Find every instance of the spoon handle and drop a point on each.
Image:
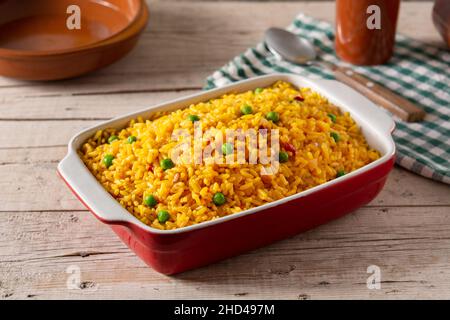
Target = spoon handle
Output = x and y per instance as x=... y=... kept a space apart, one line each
x=401 y=107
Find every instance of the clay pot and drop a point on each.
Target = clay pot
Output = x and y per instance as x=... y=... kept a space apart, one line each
x=36 y=44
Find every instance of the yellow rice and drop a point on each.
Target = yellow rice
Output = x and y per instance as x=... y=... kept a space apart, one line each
x=186 y=190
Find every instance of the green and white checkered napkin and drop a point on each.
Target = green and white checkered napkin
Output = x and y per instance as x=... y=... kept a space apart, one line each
x=417 y=71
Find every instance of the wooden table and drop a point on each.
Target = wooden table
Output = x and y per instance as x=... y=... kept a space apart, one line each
x=45 y=231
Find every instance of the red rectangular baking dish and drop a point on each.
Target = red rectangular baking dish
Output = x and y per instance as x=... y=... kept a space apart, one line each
x=174 y=251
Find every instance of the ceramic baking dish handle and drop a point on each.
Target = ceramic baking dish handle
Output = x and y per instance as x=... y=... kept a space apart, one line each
x=366 y=110
x=90 y=192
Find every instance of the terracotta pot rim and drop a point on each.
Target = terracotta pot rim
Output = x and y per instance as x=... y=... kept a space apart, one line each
x=134 y=27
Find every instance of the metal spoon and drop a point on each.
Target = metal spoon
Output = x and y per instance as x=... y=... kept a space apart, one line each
x=290 y=47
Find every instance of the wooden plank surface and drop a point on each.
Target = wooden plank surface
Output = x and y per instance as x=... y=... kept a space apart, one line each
x=44 y=229
x=328 y=262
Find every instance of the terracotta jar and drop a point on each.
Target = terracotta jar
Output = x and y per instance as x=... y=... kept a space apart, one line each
x=365 y=30
x=441 y=18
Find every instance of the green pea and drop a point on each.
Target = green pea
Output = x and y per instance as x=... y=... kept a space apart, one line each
x=150 y=201
x=273 y=116
x=259 y=90
x=332 y=117
x=167 y=164
x=131 y=139
x=335 y=136
x=112 y=138
x=246 y=110
x=219 y=199
x=193 y=117
x=227 y=148
x=283 y=157
x=340 y=173
x=108 y=160
x=163 y=216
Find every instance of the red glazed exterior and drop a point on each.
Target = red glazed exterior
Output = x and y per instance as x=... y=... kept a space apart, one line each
x=175 y=253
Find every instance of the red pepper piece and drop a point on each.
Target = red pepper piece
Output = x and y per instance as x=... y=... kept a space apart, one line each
x=288 y=147
x=299 y=98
